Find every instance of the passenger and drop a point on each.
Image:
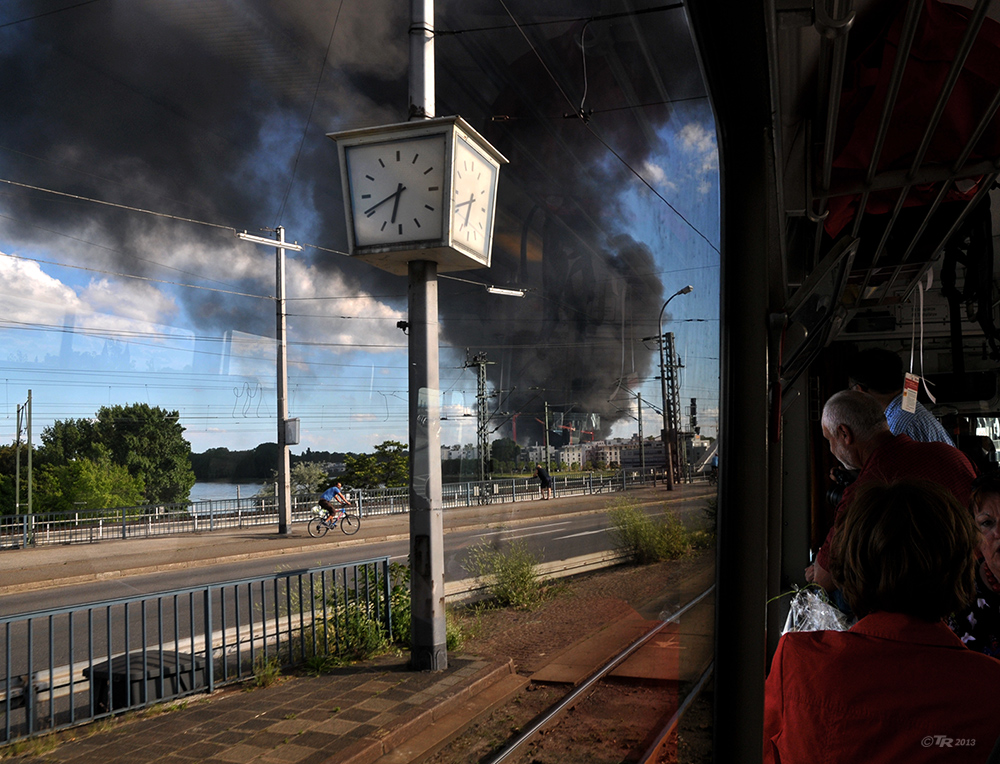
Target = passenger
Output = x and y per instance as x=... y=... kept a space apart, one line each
x=855 y=427
x=898 y=686
x=978 y=626
x=879 y=372
x=979 y=448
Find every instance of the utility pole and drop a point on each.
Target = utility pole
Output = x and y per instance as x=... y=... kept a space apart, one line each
x=283 y=488
x=428 y=642
x=642 y=443
x=672 y=412
x=482 y=413
x=548 y=461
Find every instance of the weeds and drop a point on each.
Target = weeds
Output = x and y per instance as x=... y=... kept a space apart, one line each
x=645 y=539
x=266 y=670
x=510 y=576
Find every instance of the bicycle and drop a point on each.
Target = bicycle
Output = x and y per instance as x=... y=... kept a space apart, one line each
x=350 y=523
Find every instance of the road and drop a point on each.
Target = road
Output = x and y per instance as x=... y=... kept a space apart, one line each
x=550 y=538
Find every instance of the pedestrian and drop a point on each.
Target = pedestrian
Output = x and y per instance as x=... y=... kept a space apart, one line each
x=544 y=482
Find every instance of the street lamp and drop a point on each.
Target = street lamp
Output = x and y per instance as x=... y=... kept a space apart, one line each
x=667 y=436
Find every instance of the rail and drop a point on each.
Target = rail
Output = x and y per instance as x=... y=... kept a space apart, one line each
x=92 y=526
x=66 y=666
x=560 y=706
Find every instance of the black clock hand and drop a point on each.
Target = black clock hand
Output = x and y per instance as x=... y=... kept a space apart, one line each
x=468 y=208
x=394 y=195
x=395 y=204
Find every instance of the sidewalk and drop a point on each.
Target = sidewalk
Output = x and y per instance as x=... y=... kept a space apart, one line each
x=355 y=715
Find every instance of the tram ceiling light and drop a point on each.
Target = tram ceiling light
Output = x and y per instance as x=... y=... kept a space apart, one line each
x=507 y=292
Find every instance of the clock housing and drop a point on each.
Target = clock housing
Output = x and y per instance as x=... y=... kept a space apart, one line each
x=419 y=191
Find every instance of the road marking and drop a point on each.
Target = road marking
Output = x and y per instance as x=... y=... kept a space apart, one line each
x=584 y=533
x=508 y=530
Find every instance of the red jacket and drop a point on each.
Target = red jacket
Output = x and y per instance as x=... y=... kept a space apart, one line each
x=903 y=458
x=891 y=689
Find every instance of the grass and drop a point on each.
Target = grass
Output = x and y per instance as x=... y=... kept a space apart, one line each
x=645 y=539
x=509 y=575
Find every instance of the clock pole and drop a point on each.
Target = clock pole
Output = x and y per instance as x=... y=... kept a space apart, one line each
x=428 y=648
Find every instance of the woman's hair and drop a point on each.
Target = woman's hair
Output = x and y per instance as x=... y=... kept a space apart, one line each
x=905 y=548
x=984 y=486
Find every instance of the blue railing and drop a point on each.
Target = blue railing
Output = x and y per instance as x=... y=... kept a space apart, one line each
x=67 y=666
x=91 y=526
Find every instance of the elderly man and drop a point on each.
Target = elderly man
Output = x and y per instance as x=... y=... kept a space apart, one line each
x=855 y=427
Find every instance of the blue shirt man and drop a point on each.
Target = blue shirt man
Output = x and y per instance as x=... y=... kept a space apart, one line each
x=331 y=494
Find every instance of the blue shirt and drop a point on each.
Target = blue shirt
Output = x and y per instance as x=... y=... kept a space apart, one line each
x=329 y=493
x=920 y=425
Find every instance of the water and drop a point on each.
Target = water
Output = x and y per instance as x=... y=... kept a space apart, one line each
x=203 y=491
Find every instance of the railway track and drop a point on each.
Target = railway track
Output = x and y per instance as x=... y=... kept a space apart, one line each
x=616 y=710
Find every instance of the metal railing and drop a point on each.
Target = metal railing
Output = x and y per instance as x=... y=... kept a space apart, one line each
x=67 y=666
x=91 y=526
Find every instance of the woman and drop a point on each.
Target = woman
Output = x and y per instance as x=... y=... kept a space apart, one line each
x=899 y=685
x=979 y=625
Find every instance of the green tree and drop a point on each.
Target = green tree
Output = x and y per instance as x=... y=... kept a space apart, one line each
x=68 y=439
x=85 y=484
x=388 y=466
x=305 y=478
x=505 y=453
x=149 y=442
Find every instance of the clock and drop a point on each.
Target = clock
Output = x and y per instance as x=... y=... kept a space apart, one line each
x=473 y=180
x=397 y=190
x=423 y=190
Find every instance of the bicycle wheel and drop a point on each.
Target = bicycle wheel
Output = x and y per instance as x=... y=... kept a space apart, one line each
x=317 y=527
x=350 y=524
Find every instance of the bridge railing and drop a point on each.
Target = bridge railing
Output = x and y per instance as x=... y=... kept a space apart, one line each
x=91 y=526
x=67 y=666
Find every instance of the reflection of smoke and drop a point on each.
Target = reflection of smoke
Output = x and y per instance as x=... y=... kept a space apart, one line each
x=196 y=108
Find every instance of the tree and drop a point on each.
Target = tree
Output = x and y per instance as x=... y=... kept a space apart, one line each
x=388 y=466
x=148 y=441
x=85 y=484
x=304 y=477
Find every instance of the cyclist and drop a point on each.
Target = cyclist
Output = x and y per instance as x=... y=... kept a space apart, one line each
x=331 y=494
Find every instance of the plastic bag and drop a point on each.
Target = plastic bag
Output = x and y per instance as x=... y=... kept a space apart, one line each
x=811 y=610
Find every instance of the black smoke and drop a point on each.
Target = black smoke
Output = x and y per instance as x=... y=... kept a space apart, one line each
x=196 y=108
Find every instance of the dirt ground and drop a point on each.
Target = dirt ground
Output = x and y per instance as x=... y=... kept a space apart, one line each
x=619 y=720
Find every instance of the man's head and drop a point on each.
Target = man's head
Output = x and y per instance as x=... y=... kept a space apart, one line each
x=876 y=371
x=905 y=548
x=339 y=484
x=852 y=421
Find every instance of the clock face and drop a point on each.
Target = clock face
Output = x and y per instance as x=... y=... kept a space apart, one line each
x=473 y=182
x=397 y=190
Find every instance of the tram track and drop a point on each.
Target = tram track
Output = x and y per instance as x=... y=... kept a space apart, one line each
x=593 y=700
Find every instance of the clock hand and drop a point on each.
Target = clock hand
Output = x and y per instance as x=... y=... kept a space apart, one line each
x=395 y=204
x=468 y=208
x=394 y=195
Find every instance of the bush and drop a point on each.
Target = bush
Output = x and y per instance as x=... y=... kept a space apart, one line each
x=400 y=604
x=510 y=577
x=643 y=538
x=361 y=635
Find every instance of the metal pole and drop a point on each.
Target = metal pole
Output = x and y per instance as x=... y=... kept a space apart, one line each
x=284 y=489
x=428 y=645
x=30 y=506
x=665 y=434
x=428 y=651
x=642 y=443
x=548 y=463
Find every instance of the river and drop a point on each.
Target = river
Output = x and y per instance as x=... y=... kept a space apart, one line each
x=203 y=491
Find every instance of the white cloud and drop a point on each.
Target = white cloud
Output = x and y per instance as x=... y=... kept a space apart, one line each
x=657 y=176
x=697 y=140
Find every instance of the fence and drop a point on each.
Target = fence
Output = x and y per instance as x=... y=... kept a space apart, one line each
x=71 y=665
x=91 y=526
